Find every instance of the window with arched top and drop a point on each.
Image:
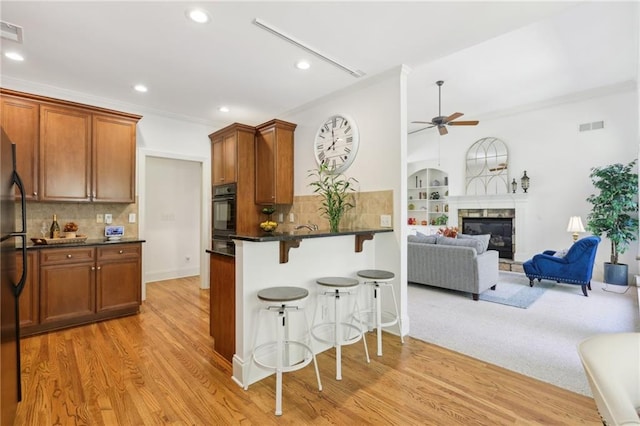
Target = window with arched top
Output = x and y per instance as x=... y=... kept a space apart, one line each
x=486 y=167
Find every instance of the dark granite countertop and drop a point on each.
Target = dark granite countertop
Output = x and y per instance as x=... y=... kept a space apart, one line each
x=89 y=242
x=261 y=236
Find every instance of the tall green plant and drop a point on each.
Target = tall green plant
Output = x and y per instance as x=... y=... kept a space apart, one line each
x=336 y=191
x=614 y=211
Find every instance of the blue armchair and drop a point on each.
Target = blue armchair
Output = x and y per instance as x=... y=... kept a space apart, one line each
x=575 y=267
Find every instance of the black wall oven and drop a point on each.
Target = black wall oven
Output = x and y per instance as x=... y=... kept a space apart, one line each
x=224 y=218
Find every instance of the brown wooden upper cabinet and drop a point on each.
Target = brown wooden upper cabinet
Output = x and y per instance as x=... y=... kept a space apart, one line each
x=274 y=162
x=21 y=123
x=69 y=151
x=224 y=152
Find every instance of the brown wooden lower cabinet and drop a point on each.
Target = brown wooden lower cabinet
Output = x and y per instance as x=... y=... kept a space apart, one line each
x=80 y=285
x=29 y=298
x=223 y=304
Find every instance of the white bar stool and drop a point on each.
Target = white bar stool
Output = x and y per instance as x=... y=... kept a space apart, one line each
x=378 y=279
x=335 y=330
x=280 y=302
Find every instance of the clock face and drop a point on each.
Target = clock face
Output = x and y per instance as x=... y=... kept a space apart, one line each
x=336 y=143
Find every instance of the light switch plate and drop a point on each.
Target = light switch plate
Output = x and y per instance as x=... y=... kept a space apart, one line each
x=108 y=218
x=132 y=218
x=385 y=220
x=99 y=218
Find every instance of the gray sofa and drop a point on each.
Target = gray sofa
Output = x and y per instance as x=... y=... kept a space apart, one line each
x=462 y=263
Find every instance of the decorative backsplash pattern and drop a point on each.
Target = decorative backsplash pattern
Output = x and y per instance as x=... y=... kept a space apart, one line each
x=366 y=213
x=40 y=214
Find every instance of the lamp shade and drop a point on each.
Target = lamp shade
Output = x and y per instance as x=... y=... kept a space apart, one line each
x=575 y=224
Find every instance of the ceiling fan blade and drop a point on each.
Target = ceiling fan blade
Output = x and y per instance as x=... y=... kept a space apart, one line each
x=464 y=123
x=422 y=122
x=453 y=116
x=443 y=130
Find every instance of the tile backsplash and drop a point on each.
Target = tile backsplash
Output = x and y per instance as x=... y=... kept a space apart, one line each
x=366 y=213
x=40 y=214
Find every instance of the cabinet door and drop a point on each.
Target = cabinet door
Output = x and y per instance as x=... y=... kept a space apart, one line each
x=114 y=159
x=223 y=304
x=265 y=166
x=230 y=159
x=67 y=293
x=29 y=302
x=274 y=163
x=20 y=121
x=65 y=154
x=217 y=161
x=118 y=285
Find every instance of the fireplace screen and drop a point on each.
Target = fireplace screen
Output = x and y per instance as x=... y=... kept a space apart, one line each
x=500 y=228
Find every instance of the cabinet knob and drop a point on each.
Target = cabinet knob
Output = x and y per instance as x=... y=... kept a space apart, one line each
x=35 y=194
x=93 y=268
x=68 y=256
x=121 y=251
x=99 y=267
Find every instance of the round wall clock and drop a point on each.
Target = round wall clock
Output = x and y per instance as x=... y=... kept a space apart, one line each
x=336 y=143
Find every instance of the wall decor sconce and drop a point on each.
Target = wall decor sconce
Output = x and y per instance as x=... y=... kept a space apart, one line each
x=575 y=226
x=524 y=182
x=514 y=186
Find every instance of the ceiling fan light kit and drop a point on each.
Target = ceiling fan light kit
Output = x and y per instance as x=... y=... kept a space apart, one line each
x=440 y=121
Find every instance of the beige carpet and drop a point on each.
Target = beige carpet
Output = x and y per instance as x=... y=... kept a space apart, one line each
x=540 y=341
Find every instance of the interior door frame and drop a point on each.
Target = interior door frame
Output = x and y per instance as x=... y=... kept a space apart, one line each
x=205 y=209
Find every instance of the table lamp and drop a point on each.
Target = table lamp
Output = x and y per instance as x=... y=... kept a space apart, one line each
x=575 y=226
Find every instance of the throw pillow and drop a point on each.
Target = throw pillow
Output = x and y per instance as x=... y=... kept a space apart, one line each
x=484 y=239
x=422 y=238
x=561 y=253
x=446 y=241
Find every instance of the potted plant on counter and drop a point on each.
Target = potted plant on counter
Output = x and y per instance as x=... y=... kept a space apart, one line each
x=615 y=214
x=336 y=191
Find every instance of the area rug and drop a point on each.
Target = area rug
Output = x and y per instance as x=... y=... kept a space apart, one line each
x=516 y=293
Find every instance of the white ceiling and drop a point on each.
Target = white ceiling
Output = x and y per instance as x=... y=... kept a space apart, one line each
x=492 y=55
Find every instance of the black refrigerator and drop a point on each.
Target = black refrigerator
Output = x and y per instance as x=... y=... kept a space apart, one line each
x=12 y=238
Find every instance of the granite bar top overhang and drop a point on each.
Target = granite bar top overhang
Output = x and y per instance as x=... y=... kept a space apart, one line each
x=261 y=236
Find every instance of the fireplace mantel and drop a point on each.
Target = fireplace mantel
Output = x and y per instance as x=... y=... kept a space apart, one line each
x=518 y=202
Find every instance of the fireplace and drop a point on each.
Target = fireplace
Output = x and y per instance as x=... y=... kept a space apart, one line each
x=500 y=228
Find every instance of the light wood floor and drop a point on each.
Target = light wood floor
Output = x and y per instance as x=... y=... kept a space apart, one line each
x=158 y=368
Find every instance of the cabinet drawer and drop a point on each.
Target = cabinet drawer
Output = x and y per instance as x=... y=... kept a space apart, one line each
x=121 y=251
x=66 y=255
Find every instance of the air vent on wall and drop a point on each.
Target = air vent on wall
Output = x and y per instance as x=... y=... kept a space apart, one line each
x=585 y=127
x=10 y=32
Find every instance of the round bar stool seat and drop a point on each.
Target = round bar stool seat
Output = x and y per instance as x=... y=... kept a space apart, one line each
x=336 y=331
x=373 y=316
x=281 y=303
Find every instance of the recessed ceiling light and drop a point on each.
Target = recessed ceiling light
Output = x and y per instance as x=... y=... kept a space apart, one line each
x=223 y=109
x=198 y=15
x=14 y=56
x=140 y=88
x=303 y=65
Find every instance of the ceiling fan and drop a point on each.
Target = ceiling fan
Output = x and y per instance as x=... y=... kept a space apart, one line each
x=440 y=121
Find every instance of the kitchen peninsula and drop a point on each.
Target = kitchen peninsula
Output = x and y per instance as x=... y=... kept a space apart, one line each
x=292 y=259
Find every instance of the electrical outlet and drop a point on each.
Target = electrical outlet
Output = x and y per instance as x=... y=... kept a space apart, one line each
x=280 y=217
x=108 y=218
x=291 y=218
x=99 y=218
x=132 y=218
x=385 y=220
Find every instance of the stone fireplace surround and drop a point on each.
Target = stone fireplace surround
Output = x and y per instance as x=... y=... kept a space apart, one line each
x=503 y=205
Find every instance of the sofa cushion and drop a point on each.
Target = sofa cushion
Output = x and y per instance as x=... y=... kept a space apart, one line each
x=473 y=243
x=483 y=238
x=422 y=238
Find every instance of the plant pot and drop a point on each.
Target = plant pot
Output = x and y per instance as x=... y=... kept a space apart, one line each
x=617 y=274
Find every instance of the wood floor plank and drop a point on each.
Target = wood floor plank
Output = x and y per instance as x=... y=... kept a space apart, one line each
x=159 y=368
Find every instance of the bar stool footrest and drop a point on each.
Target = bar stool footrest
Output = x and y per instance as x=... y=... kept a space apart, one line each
x=307 y=355
x=330 y=334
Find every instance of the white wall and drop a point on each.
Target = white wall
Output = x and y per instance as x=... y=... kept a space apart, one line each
x=378 y=108
x=546 y=143
x=172 y=218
